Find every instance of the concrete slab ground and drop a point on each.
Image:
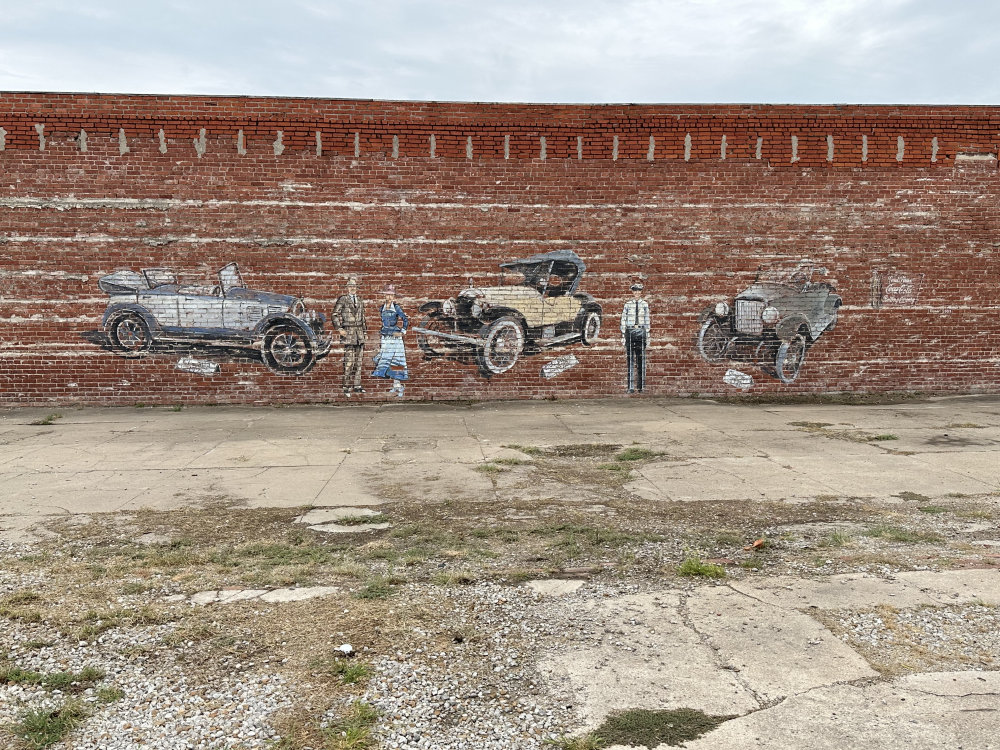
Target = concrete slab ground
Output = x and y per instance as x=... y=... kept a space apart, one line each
x=789 y=655
x=348 y=455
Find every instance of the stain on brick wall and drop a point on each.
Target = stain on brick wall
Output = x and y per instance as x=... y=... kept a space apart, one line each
x=512 y=237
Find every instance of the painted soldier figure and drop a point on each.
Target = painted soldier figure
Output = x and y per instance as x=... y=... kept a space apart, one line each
x=349 y=320
x=635 y=339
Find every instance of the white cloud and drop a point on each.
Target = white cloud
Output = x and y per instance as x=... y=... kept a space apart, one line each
x=554 y=50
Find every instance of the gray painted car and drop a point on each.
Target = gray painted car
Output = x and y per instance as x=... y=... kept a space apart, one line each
x=774 y=321
x=152 y=306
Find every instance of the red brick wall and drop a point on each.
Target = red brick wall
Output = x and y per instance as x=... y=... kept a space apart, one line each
x=693 y=226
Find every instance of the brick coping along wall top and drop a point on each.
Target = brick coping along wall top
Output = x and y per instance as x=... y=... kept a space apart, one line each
x=779 y=249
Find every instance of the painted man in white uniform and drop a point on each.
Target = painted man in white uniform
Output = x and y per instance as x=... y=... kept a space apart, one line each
x=635 y=338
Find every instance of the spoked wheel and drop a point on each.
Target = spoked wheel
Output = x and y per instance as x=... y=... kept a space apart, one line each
x=287 y=349
x=713 y=341
x=591 y=328
x=502 y=345
x=791 y=354
x=129 y=335
x=431 y=345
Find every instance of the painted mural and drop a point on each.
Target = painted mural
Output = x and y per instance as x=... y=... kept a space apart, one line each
x=773 y=322
x=635 y=326
x=150 y=309
x=537 y=305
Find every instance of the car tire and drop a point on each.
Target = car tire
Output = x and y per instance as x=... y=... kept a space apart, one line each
x=429 y=344
x=713 y=341
x=590 y=327
x=791 y=354
x=503 y=343
x=129 y=335
x=287 y=349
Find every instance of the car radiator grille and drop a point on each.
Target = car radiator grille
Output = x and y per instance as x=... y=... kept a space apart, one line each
x=748 y=316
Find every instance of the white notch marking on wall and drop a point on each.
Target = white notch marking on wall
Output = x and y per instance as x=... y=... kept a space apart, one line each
x=433 y=141
x=357 y=144
x=829 y=148
x=201 y=143
x=542 y=151
x=579 y=148
x=687 y=147
x=468 y=147
x=40 y=129
x=614 y=148
x=795 y=148
x=900 y=148
x=81 y=140
x=395 y=147
x=122 y=142
x=279 y=144
x=722 y=149
x=506 y=147
x=241 y=143
x=319 y=143
x=651 y=151
x=864 y=148
x=760 y=147
x=163 y=141
x=3 y=139
x=934 y=148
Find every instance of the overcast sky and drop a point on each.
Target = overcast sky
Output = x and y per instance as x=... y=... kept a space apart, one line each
x=775 y=51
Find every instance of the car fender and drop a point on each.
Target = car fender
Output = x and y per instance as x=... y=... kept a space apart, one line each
x=118 y=308
x=790 y=325
x=431 y=307
x=502 y=312
x=284 y=318
x=708 y=312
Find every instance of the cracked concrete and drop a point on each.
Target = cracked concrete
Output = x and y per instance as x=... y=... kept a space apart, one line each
x=756 y=648
x=753 y=651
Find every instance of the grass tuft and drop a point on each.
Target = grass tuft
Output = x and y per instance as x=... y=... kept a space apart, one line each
x=47 y=419
x=696 y=568
x=380 y=588
x=633 y=453
x=645 y=728
x=41 y=728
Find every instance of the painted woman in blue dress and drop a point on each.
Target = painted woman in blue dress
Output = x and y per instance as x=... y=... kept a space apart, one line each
x=390 y=362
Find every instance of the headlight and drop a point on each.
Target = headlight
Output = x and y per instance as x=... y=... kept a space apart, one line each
x=479 y=307
x=449 y=307
x=722 y=309
x=770 y=315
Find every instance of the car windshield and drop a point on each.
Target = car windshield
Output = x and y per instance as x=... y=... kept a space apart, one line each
x=229 y=277
x=540 y=275
x=159 y=276
x=798 y=274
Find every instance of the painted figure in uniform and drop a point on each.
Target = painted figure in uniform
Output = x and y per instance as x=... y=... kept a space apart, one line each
x=635 y=339
x=390 y=362
x=349 y=320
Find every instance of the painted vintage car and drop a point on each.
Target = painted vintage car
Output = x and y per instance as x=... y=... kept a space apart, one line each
x=152 y=306
x=773 y=322
x=539 y=307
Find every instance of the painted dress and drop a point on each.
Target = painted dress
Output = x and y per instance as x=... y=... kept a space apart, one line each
x=390 y=362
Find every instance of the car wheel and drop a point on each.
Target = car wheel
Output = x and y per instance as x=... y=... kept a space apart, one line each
x=713 y=341
x=590 y=328
x=431 y=345
x=129 y=335
x=287 y=349
x=502 y=345
x=791 y=354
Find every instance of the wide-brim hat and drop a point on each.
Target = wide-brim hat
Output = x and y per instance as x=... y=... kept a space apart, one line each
x=389 y=289
x=636 y=287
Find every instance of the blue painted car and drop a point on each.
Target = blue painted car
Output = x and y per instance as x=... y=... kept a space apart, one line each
x=152 y=306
